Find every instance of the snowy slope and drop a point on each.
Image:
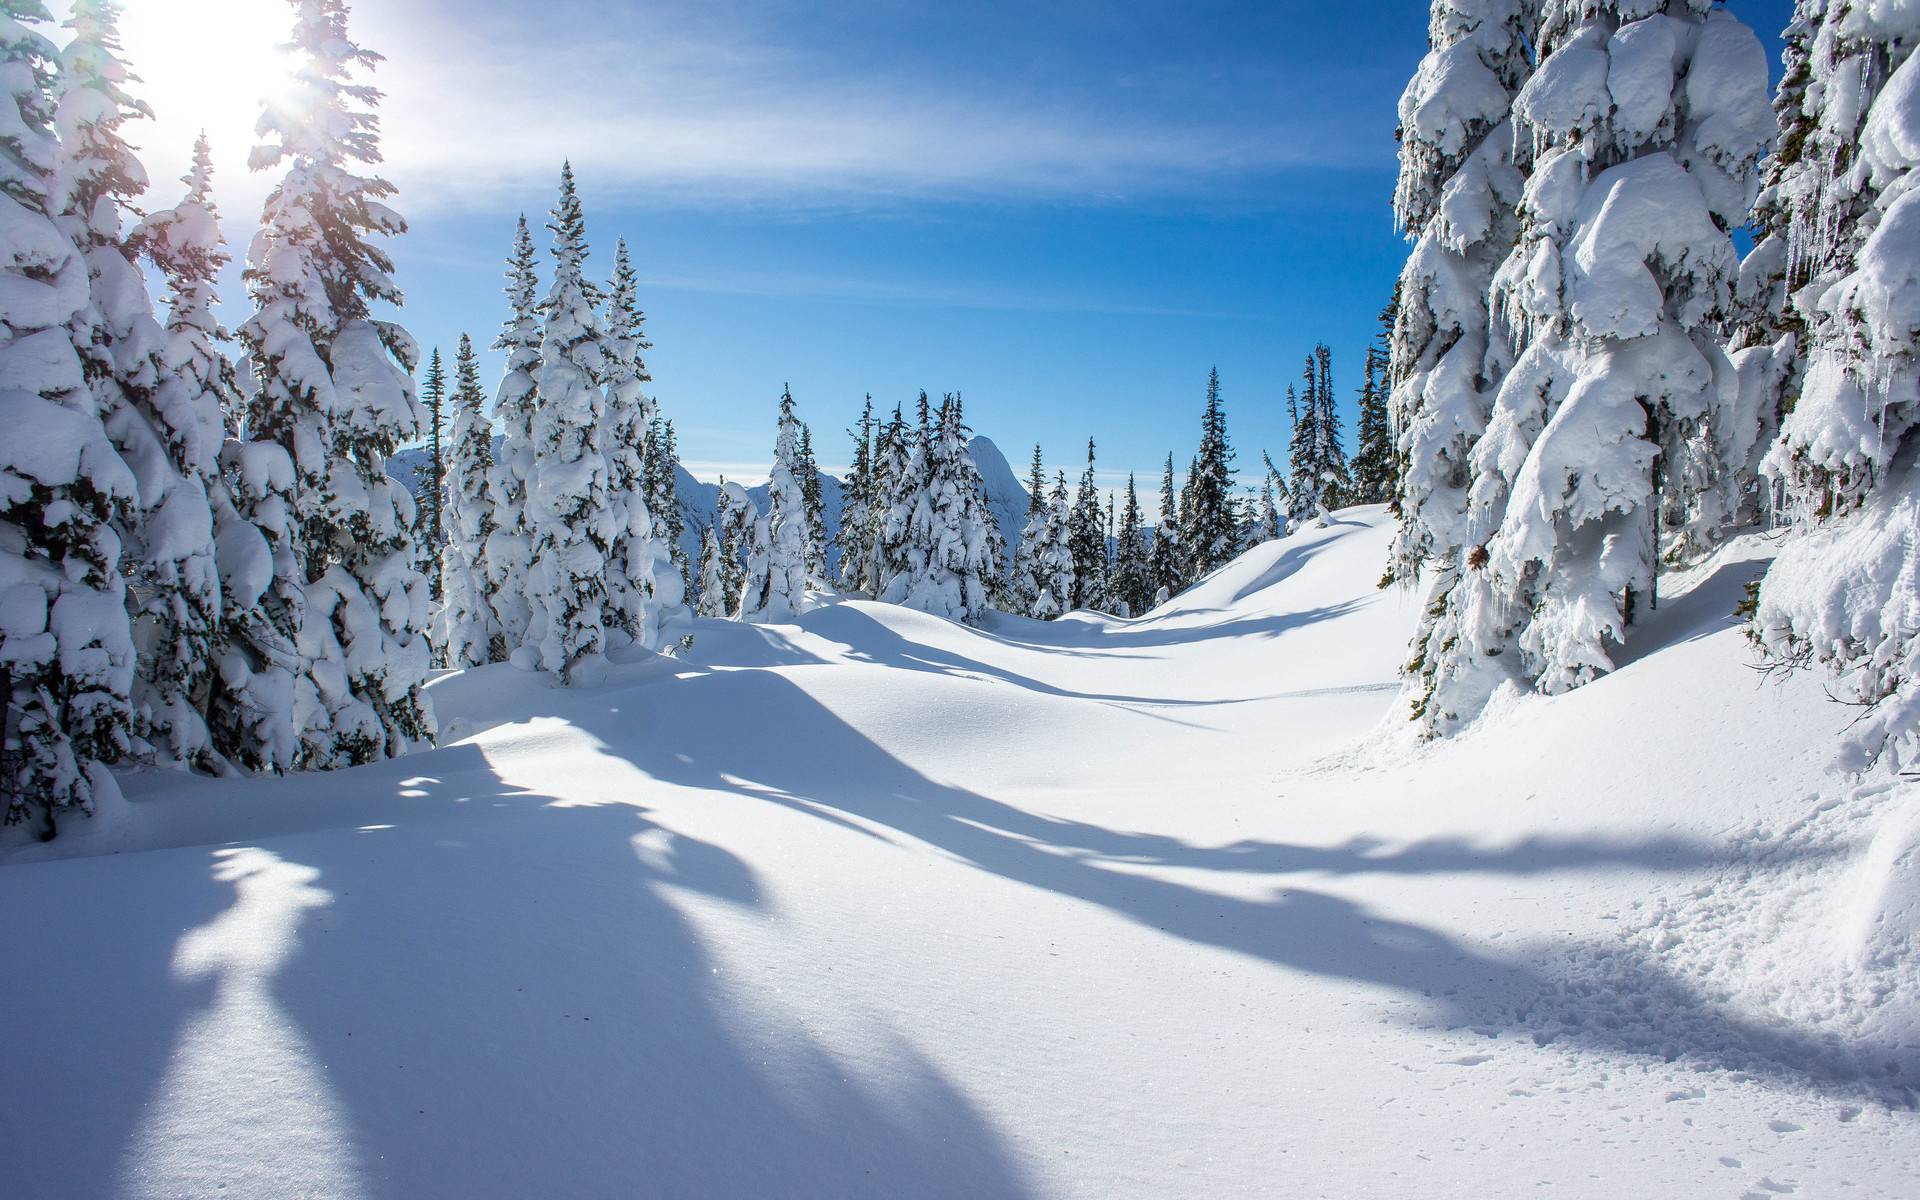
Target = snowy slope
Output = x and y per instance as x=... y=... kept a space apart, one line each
x=876 y=905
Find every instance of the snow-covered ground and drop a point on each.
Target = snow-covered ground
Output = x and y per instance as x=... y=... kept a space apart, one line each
x=876 y=905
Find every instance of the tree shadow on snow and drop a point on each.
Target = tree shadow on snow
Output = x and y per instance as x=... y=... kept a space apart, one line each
x=435 y=1020
x=1600 y=996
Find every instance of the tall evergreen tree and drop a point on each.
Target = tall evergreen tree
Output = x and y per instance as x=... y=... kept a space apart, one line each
x=945 y=532
x=1089 y=541
x=66 y=657
x=198 y=390
x=776 y=584
x=855 y=538
x=467 y=631
x=711 y=596
x=1302 y=484
x=1132 y=591
x=899 y=472
x=1209 y=533
x=1026 y=581
x=569 y=506
x=1166 y=557
x=430 y=479
x=1375 y=472
x=808 y=474
x=1838 y=271
x=663 y=496
x=509 y=549
x=1330 y=455
x=1618 y=418
x=336 y=394
x=167 y=539
x=1055 y=569
x=642 y=580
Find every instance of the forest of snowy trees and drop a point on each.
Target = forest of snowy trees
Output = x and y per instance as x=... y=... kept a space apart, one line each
x=1578 y=382
x=1589 y=384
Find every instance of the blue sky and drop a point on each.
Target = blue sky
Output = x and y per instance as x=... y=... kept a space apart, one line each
x=1067 y=211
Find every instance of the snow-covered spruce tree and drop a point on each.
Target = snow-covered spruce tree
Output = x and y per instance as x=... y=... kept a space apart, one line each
x=336 y=394
x=1614 y=421
x=200 y=398
x=663 y=496
x=710 y=599
x=900 y=472
x=1089 y=541
x=1055 y=559
x=66 y=658
x=776 y=584
x=808 y=475
x=1166 y=557
x=948 y=539
x=1329 y=454
x=1025 y=583
x=1132 y=591
x=1208 y=529
x=509 y=548
x=430 y=483
x=570 y=512
x=1458 y=201
x=855 y=538
x=1303 y=504
x=642 y=581
x=467 y=629
x=1375 y=469
x=1462 y=179
x=167 y=540
x=1840 y=592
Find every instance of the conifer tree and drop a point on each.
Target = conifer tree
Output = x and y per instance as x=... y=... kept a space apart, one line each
x=1089 y=542
x=336 y=395
x=509 y=548
x=1056 y=569
x=468 y=631
x=663 y=495
x=1617 y=418
x=1838 y=271
x=944 y=531
x=182 y=642
x=808 y=475
x=1209 y=533
x=1330 y=455
x=855 y=538
x=1026 y=581
x=1375 y=472
x=1166 y=557
x=776 y=583
x=642 y=581
x=66 y=657
x=167 y=539
x=711 y=598
x=1132 y=590
x=899 y=471
x=1303 y=496
x=570 y=509
x=430 y=479
x=1457 y=141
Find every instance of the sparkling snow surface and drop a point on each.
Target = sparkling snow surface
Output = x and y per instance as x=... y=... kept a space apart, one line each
x=877 y=905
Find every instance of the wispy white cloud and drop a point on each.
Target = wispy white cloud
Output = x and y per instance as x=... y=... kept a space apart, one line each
x=700 y=113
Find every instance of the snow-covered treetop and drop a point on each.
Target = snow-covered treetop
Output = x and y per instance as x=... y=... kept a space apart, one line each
x=99 y=170
x=625 y=321
x=28 y=149
x=1459 y=94
x=185 y=242
x=322 y=209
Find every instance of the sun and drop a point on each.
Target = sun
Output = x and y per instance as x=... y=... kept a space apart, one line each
x=202 y=65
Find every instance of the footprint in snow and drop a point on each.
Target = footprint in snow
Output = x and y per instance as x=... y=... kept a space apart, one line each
x=1473 y=1060
x=1783 y=1126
